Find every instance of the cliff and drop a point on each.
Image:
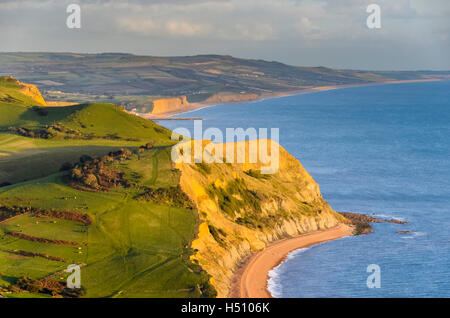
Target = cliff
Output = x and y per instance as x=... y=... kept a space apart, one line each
x=167 y=105
x=32 y=91
x=28 y=90
x=242 y=210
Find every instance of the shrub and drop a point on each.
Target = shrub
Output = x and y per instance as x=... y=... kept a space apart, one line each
x=173 y=196
x=208 y=290
x=41 y=111
x=256 y=174
x=65 y=166
x=149 y=145
x=77 y=174
x=203 y=167
x=47 y=286
x=85 y=158
x=91 y=180
x=217 y=234
x=92 y=174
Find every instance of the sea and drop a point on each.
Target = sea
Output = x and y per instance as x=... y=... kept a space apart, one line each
x=382 y=150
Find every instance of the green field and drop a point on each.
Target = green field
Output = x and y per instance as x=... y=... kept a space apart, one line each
x=133 y=247
x=99 y=128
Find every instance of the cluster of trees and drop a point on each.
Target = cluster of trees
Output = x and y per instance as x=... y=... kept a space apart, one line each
x=46 y=286
x=64 y=215
x=145 y=147
x=41 y=240
x=7 y=212
x=95 y=173
x=54 y=130
x=36 y=254
x=25 y=132
x=50 y=131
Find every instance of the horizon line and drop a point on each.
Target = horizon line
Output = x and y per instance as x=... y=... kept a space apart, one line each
x=221 y=55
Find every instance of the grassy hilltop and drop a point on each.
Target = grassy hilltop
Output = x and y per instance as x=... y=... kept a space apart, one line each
x=62 y=133
x=93 y=185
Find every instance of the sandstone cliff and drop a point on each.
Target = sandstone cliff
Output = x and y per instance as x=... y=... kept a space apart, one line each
x=32 y=91
x=242 y=210
x=167 y=105
x=29 y=90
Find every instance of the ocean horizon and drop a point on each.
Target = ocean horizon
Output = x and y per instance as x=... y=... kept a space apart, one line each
x=380 y=150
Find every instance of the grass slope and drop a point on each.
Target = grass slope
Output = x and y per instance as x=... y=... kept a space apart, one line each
x=133 y=248
x=99 y=128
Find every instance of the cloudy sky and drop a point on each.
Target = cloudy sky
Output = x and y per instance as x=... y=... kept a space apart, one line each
x=414 y=34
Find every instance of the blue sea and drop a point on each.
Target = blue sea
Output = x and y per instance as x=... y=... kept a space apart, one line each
x=382 y=150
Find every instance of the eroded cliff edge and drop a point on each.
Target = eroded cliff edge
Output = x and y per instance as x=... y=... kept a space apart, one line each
x=29 y=90
x=242 y=210
x=168 y=105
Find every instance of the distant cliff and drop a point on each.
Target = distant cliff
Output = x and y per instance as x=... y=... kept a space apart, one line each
x=167 y=105
x=242 y=211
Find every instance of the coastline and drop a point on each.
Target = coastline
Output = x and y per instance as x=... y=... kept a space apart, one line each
x=197 y=106
x=251 y=277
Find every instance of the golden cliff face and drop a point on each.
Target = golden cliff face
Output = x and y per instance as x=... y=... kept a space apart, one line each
x=242 y=210
x=32 y=91
x=167 y=105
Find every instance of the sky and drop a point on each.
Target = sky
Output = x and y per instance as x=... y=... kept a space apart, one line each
x=414 y=34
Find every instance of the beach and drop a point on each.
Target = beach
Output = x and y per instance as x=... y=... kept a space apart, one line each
x=250 y=279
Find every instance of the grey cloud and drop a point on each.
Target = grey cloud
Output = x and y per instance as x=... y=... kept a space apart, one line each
x=302 y=32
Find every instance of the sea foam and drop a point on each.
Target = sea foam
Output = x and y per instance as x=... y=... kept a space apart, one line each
x=274 y=285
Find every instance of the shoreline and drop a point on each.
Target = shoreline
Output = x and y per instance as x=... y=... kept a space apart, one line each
x=251 y=277
x=201 y=105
